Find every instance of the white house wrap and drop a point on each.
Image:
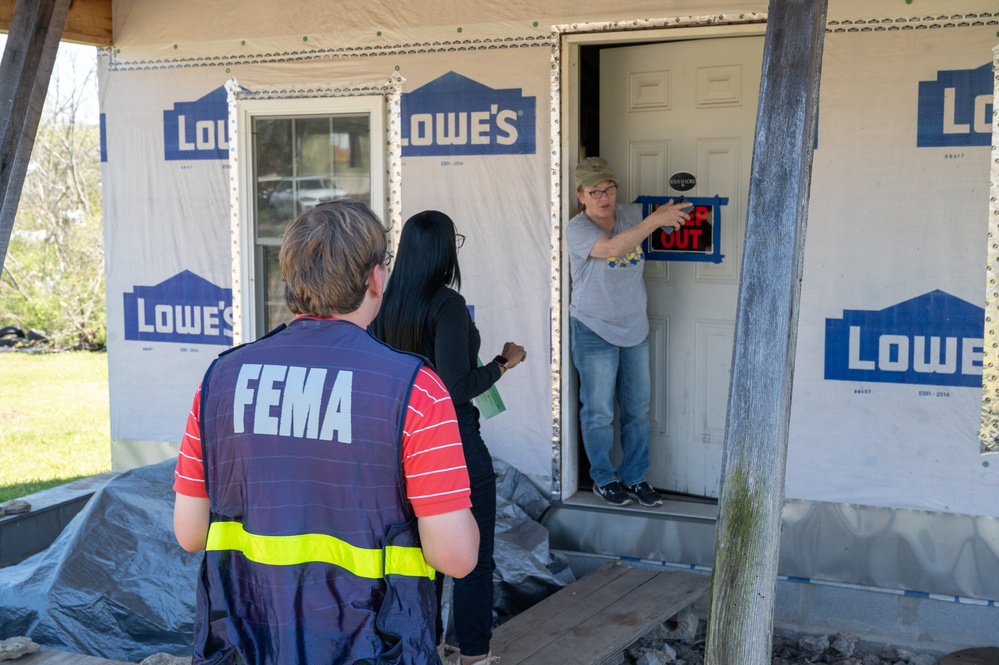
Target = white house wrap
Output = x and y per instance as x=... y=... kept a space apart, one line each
x=482 y=111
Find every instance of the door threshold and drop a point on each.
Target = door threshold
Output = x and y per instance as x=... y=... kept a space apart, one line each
x=673 y=506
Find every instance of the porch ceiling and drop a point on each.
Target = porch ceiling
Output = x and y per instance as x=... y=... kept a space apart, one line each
x=88 y=21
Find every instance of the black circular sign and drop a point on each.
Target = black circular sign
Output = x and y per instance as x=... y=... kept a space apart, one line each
x=682 y=181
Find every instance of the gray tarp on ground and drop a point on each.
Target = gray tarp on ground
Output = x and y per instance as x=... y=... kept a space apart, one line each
x=527 y=571
x=116 y=585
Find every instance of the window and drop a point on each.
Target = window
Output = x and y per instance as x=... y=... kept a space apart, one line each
x=301 y=152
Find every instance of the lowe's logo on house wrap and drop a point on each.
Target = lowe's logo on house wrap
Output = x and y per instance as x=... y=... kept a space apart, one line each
x=454 y=115
x=185 y=309
x=956 y=109
x=934 y=339
x=104 y=137
x=198 y=129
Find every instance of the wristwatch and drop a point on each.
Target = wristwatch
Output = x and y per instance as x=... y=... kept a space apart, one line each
x=501 y=361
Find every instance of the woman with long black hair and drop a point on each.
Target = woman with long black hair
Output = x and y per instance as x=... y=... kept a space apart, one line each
x=423 y=312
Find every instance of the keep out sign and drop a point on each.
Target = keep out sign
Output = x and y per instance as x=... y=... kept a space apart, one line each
x=695 y=236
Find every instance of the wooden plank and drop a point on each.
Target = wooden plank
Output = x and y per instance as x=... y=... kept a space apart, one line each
x=560 y=616
x=747 y=535
x=597 y=616
x=88 y=21
x=510 y=632
x=603 y=636
x=27 y=64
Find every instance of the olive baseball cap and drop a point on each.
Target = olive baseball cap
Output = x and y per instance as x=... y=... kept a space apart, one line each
x=593 y=170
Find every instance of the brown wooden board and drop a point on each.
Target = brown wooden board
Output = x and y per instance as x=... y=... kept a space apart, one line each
x=597 y=617
x=88 y=21
x=510 y=632
x=976 y=656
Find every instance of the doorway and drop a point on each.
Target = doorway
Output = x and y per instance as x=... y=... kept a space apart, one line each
x=654 y=105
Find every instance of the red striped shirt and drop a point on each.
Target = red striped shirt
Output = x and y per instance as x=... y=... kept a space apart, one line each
x=432 y=459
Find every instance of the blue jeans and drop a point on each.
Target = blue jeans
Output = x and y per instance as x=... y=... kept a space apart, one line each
x=607 y=372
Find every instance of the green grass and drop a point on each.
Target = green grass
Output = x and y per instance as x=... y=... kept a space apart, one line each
x=54 y=420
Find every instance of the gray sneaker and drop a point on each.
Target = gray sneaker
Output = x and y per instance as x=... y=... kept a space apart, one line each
x=613 y=493
x=645 y=494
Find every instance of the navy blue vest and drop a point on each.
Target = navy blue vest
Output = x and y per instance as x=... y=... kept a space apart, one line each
x=313 y=552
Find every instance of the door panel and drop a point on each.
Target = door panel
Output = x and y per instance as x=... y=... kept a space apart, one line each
x=686 y=106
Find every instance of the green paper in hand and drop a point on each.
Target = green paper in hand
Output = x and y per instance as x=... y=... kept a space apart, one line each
x=489 y=403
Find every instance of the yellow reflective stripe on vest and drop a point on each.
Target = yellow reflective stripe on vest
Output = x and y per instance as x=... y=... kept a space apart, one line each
x=407 y=561
x=315 y=547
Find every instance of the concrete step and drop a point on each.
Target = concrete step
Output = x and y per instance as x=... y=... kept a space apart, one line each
x=680 y=530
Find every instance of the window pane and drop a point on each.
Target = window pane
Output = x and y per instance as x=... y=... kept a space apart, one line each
x=313 y=140
x=351 y=143
x=272 y=163
x=274 y=310
x=299 y=162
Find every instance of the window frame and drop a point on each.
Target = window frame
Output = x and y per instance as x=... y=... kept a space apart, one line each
x=246 y=296
x=989 y=426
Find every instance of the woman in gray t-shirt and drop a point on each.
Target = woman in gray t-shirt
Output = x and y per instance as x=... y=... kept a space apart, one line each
x=610 y=328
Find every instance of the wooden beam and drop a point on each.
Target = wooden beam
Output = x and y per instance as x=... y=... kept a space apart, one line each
x=88 y=21
x=593 y=619
x=747 y=536
x=25 y=70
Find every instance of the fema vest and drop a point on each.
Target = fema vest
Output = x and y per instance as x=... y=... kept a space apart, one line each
x=313 y=554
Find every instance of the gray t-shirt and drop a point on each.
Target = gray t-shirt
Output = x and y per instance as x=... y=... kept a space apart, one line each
x=608 y=295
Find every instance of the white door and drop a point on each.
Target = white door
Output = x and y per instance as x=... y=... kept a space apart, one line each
x=666 y=108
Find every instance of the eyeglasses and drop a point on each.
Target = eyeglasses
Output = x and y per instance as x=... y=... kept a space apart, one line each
x=459 y=240
x=387 y=261
x=598 y=194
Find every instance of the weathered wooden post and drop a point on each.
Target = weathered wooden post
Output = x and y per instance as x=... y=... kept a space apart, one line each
x=747 y=539
x=32 y=43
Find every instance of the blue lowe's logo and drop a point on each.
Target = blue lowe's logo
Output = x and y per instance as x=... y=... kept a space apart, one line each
x=934 y=339
x=454 y=115
x=104 y=137
x=198 y=129
x=956 y=109
x=185 y=309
